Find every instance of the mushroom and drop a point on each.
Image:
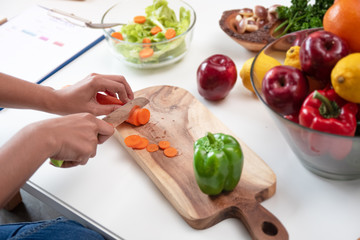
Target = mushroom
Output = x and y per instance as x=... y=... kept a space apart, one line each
x=241 y=28
x=272 y=13
x=246 y=12
x=238 y=18
x=251 y=25
x=261 y=22
x=260 y=12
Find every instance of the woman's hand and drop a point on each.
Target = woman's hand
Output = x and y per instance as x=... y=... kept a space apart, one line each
x=81 y=97
x=74 y=138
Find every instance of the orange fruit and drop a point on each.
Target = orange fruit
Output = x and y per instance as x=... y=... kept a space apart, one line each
x=342 y=19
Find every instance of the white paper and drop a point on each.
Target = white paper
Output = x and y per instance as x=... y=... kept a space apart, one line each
x=35 y=43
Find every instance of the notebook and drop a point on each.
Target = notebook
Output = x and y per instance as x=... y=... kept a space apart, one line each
x=35 y=44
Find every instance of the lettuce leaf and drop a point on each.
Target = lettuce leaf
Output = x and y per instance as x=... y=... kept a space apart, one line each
x=157 y=14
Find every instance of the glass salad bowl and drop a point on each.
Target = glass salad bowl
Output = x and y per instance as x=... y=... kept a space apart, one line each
x=162 y=46
x=328 y=155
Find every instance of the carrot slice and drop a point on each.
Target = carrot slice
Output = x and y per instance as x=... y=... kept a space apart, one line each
x=107 y=99
x=170 y=152
x=117 y=35
x=139 y=19
x=146 y=52
x=143 y=116
x=143 y=143
x=155 y=30
x=146 y=40
x=152 y=147
x=170 y=33
x=164 y=144
x=133 y=119
x=132 y=140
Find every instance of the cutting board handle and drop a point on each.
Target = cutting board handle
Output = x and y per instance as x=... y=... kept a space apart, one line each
x=261 y=224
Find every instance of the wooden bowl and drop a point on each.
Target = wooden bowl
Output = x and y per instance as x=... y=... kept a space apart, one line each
x=252 y=41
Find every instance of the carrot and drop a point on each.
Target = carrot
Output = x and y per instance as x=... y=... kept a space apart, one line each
x=133 y=116
x=143 y=116
x=117 y=35
x=143 y=143
x=155 y=30
x=170 y=152
x=164 y=144
x=107 y=99
x=146 y=52
x=170 y=33
x=139 y=19
x=152 y=147
x=132 y=140
x=146 y=40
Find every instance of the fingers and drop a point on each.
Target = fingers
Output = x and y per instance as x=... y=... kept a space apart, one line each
x=114 y=84
x=105 y=131
x=79 y=137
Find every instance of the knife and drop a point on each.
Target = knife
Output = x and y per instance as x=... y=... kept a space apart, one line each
x=115 y=118
x=122 y=113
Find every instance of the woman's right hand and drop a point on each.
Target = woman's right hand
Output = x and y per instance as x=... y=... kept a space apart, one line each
x=74 y=138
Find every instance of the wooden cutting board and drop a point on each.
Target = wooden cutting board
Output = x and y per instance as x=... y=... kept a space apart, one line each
x=177 y=116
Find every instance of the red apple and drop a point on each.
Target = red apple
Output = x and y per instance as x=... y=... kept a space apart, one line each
x=284 y=89
x=216 y=76
x=319 y=53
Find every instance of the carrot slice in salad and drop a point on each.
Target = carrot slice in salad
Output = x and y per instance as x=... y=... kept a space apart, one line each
x=170 y=33
x=139 y=19
x=146 y=52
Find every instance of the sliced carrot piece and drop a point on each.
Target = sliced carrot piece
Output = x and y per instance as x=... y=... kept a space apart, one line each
x=170 y=33
x=132 y=140
x=146 y=52
x=143 y=143
x=146 y=40
x=117 y=35
x=139 y=19
x=170 y=152
x=155 y=30
x=143 y=116
x=133 y=119
x=164 y=144
x=152 y=147
x=107 y=99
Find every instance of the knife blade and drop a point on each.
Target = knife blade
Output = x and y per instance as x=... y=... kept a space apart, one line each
x=115 y=118
x=122 y=113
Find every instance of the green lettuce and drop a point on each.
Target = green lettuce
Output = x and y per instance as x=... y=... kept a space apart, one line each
x=157 y=14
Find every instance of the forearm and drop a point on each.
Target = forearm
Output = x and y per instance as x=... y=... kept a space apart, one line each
x=17 y=93
x=20 y=157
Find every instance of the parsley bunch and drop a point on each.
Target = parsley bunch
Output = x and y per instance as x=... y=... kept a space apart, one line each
x=302 y=15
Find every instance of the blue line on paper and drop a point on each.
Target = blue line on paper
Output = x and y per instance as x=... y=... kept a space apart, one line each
x=28 y=32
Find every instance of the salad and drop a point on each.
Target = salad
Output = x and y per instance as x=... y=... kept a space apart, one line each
x=156 y=27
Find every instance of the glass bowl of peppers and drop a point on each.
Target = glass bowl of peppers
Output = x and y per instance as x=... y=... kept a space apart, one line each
x=321 y=128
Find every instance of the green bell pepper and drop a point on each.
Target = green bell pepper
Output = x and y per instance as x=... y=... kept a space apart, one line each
x=218 y=163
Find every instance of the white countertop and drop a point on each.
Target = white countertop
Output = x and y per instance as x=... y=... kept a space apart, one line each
x=112 y=193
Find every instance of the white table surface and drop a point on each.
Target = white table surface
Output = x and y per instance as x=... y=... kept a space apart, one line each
x=113 y=195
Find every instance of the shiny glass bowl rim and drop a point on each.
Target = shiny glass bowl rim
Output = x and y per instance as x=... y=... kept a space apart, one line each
x=280 y=115
x=192 y=24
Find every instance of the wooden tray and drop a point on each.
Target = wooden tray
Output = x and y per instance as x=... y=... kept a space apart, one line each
x=179 y=117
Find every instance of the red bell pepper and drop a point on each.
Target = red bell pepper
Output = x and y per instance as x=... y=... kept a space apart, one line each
x=325 y=111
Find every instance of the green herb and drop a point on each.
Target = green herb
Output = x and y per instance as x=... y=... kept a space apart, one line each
x=302 y=15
